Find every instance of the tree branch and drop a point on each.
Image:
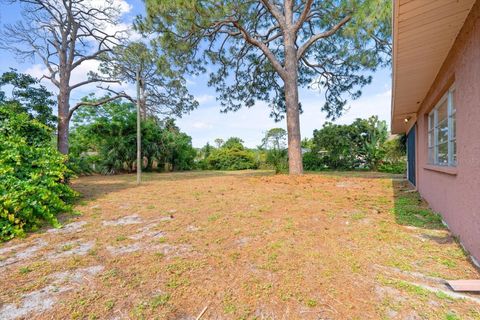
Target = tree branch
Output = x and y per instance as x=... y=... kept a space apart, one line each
x=265 y=49
x=303 y=15
x=277 y=14
x=301 y=51
x=97 y=103
x=92 y=81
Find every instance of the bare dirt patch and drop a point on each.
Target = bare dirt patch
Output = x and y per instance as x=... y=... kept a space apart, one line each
x=249 y=245
x=41 y=300
x=133 y=219
x=70 y=227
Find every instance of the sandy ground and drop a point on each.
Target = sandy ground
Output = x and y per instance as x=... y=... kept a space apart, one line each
x=239 y=245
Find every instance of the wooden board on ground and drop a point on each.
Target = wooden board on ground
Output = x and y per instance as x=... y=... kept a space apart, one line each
x=465 y=285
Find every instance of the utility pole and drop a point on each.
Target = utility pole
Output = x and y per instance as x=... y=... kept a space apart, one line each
x=139 y=133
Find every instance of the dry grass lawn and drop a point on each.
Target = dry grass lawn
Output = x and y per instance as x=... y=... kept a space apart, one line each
x=243 y=245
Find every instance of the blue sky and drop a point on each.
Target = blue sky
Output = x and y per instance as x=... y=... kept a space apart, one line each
x=207 y=123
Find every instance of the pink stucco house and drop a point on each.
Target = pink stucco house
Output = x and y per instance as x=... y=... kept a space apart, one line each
x=436 y=101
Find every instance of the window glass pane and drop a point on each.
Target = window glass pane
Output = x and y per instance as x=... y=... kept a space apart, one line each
x=454 y=127
x=442 y=158
x=442 y=132
x=442 y=111
x=453 y=100
x=454 y=151
x=430 y=155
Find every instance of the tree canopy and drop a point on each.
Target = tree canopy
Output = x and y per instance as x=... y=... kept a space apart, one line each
x=357 y=145
x=65 y=35
x=264 y=50
x=163 y=90
x=27 y=96
x=336 y=41
x=104 y=140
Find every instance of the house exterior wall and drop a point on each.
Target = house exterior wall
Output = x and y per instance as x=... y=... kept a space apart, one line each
x=456 y=194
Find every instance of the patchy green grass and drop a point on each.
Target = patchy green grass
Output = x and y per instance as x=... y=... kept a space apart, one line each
x=67 y=247
x=160 y=300
x=452 y=316
x=406 y=286
x=121 y=238
x=247 y=245
x=214 y=217
x=358 y=216
x=109 y=304
x=312 y=303
x=25 y=270
x=410 y=210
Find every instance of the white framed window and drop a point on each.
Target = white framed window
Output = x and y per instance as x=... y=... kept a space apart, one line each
x=442 y=138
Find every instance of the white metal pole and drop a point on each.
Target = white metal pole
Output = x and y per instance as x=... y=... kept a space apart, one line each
x=139 y=133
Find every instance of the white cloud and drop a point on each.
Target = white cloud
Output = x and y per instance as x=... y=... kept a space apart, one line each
x=123 y=6
x=38 y=71
x=205 y=98
x=201 y=125
x=79 y=74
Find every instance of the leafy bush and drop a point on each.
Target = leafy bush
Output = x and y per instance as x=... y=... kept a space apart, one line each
x=232 y=155
x=104 y=140
x=176 y=152
x=275 y=145
x=359 y=145
x=397 y=167
x=395 y=156
x=312 y=162
x=83 y=164
x=231 y=159
x=277 y=159
x=32 y=176
x=334 y=146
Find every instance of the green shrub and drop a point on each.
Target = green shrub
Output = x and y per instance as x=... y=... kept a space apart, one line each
x=277 y=159
x=346 y=147
x=83 y=164
x=275 y=145
x=32 y=176
x=312 y=162
x=395 y=160
x=231 y=155
x=231 y=159
x=104 y=139
x=393 y=167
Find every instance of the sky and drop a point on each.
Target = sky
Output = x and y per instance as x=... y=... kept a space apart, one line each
x=206 y=123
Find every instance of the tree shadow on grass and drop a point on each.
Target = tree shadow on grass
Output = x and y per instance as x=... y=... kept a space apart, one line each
x=96 y=186
x=358 y=174
x=203 y=174
x=409 y=208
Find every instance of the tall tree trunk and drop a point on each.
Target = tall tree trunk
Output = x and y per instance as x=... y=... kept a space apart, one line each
x=295 y=164
x=63 y=122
